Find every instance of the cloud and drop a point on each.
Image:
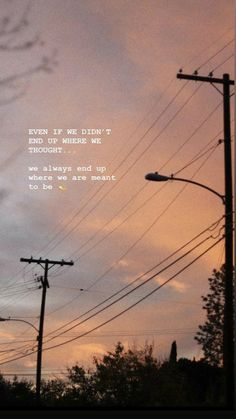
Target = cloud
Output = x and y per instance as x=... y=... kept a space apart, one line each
x=30 y=364
x=124 y=263
x=6 y=335
x=178 y=286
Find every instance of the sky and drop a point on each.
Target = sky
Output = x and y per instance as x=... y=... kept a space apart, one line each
x=111 y=64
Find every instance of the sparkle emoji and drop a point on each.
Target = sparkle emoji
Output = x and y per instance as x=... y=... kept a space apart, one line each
x=62 y=188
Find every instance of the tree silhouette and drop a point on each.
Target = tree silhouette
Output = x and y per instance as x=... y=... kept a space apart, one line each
x=18 y=43
x=16 y=37
x=123 y=379
x=173 y=353
x=126 y=377
x=80 y=388
x=16 y=393
x=210 y=334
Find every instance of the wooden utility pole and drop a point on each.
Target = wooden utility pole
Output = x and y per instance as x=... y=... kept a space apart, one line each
x=46 y=265
x=228 y=333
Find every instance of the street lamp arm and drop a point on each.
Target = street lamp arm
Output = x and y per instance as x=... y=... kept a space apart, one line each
x=156 y=177
x=18 y=320
x=199 y=184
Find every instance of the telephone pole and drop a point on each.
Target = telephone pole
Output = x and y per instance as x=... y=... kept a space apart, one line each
x=46 y=265
x=228 y=332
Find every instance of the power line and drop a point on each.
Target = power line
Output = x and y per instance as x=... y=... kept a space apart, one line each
x=106 y=292
x=225 y=61
x=131 y=291
x=123 y=311
x=109 y=221
x=128 y=154
x=129 y=249
x=9 y=303
x=191 y=136
x=208 y=47
x=147 y=147
x=136 y=194
x=97 y=190
x=209 y=228
x=214 y=55
x=216 y=41
x=132 y=165
x=153 y=223
x=17 y=341
x=199 y=156
x=127 y=286
x=166 y=89
x=139 y=239
x=143 y=187
x=140 y=300
x=150 y=293
x=18 y=292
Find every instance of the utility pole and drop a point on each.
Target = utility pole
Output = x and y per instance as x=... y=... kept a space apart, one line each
x=46 y=265
x=228 y=333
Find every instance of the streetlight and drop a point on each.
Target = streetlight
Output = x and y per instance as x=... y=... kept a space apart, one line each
x=38 y=371
x=161 y=178
x=3 y=319
x=228 y=332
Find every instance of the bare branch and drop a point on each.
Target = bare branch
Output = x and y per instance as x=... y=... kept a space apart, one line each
x=21 y=46
x=4 y=165
x=13 y=38
x=8 y=27
x=46 y=65
x=13 y=97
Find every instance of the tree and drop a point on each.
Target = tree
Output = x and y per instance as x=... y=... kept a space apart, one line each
x=16 y=393
x=80 y=387
x=19 y=39
x=126 y=378
x=210 y=335
x=121 y=378
x=22 y=393
x=53 y=392
x=173 y=353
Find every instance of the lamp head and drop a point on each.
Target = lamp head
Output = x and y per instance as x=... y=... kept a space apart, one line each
x=156 y=177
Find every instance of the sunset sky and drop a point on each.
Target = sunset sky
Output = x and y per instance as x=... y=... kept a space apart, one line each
x=116 y=66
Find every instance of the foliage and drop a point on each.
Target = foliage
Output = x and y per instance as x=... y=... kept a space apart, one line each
x=173 y=352
x=125 y=378
x=210 y=335
x=53 y=392
x=80 y=389
x=16 y=393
